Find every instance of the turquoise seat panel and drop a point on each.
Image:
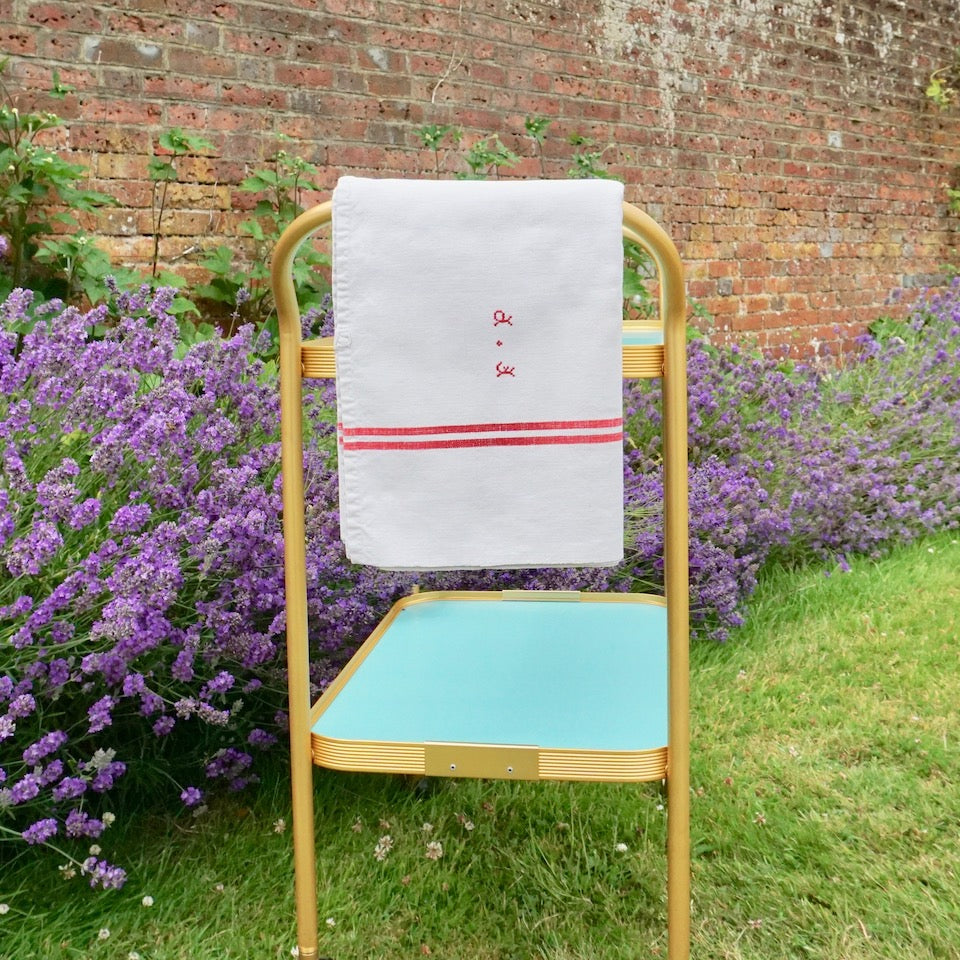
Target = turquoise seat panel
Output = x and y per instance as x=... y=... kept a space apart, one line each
x=494 y=671
x=643 y=338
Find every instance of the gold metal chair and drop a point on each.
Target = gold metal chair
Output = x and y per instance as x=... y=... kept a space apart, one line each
x=632 y=688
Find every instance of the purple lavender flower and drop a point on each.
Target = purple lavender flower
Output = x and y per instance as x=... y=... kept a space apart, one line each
x=261 y=738
x=104 y=779
x=81 y=824
x=221 y=683
x=7 y=727
x=43 y=747
x=130 y=518
x=41 y=831
x=22 y=706
x=25 y=789
x=103 y=874
x=69 y=788
x=28 y=555
x=100 y=714
x=191 y=796
x=163 y=726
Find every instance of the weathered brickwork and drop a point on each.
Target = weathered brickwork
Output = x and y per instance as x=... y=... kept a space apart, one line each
x=784 y=144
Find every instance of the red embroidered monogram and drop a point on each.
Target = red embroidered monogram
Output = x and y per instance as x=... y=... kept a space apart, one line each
x=500 y=316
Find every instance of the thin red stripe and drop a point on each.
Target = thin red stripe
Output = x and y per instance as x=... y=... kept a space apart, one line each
x=478 y=428
x=564 y=438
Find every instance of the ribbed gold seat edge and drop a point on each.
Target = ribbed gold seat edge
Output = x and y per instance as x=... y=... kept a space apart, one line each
x=611 y=766
x=368 y=757
x=620 y=766
x=318 y=362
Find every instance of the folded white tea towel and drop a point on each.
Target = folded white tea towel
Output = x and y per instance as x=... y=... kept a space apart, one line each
x=478 y=344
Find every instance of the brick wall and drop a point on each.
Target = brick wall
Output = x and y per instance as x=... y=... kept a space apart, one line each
x=784 y=144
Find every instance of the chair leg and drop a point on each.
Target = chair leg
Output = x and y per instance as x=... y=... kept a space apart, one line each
x=304 y=852
x=678 y=866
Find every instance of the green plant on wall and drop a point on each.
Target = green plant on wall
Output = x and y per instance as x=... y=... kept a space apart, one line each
x=245 y=288
x=432 y=137
x=162 y=170
x=41 y=245
x=943 y=90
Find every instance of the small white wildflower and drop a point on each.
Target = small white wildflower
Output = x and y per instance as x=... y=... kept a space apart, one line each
x=760 y=820
x=621 y=848
x=434 y=850
x=108 y=819
x=294 y=951
x=279 y=825
x=218 y=887
x=94 y=850
x=200 y=811
x=357 y=826
x=4 y=908
x=660 y=807
x=793 y=751
x=756 y=924
x=101 y=759
x=147 y=901
x=331 y=922
x=67 y=871
x=104 y=934
x=383 y=847
x=427 y=828
x=133 y=955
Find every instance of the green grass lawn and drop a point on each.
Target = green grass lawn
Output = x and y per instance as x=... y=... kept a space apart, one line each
x=826 y=821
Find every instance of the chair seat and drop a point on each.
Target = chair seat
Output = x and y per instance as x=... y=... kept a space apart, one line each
x=467 y=684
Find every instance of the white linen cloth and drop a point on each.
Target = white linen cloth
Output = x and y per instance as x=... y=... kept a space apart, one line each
x=478 y=345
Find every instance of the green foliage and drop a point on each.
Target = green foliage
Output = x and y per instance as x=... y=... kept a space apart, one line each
x=943 y=90
x=433 y=135
x=487 y=157
x=886 y=328
x=245 y=288
x=39 y=194
x=79 y=267
x=162 y=170
x=536 y=128
x=588 y=163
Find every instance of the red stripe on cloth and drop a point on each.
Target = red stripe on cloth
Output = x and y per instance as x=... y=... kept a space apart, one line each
x=539 y=440
x=478 y=428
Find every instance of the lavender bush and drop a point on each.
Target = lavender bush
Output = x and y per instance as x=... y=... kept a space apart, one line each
x=141 y=595
x=141 y=598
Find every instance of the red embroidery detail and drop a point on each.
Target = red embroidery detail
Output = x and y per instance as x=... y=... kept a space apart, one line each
x=562 y=439
x=480 y=427
x=499 y=343
x=504 y=371
x=500 y=317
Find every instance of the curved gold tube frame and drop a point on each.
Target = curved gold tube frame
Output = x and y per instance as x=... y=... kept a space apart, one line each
x=316 y=359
